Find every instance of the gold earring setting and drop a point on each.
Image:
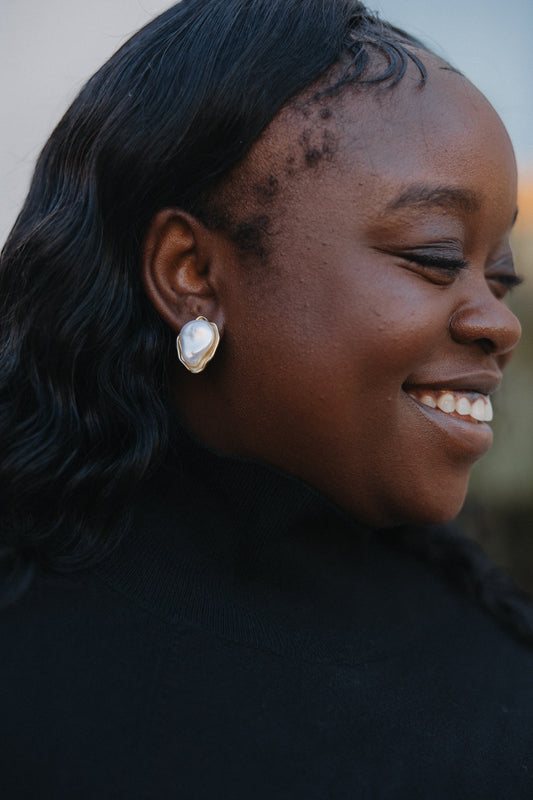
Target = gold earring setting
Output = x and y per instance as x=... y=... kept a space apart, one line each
x=197 y=343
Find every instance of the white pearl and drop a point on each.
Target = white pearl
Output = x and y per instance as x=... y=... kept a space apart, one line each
x=197 y=343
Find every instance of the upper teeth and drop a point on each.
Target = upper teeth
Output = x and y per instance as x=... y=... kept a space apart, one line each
x=479 y=407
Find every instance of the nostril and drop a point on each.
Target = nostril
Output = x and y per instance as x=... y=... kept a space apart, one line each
x=487 y=345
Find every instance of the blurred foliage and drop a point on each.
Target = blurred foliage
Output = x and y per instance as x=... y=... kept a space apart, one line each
x=499 y=509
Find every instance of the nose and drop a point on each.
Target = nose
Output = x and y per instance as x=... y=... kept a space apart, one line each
x=488 y=322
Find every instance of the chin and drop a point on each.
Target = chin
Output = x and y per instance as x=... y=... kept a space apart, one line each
x=437 y=510
x=430 y=508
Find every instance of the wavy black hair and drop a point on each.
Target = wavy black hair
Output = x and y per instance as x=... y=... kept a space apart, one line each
x=84 y=407
x=83 y=381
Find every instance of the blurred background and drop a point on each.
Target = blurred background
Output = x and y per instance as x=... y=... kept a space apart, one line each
x=49 y=49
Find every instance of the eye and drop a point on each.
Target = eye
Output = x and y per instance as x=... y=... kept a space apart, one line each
x=438 y=267
x=502 y=284
x=502 y=277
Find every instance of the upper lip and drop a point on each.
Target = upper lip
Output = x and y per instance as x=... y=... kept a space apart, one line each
x=479 y=382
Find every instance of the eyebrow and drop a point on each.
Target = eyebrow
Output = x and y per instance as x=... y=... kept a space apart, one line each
x=437 y=196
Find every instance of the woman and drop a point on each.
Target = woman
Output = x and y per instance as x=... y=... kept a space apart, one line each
x=206 y=596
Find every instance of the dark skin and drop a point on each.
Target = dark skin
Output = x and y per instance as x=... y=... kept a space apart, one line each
x=386 y=279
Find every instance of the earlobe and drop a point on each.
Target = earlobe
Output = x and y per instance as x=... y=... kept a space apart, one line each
x=176 y=269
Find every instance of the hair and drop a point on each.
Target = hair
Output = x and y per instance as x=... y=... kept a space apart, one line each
x=83 y=378
x=84 y=407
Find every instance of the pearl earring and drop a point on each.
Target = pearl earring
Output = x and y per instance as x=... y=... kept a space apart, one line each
x=197 y=343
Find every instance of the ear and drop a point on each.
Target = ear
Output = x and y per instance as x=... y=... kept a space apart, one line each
x=177 y=269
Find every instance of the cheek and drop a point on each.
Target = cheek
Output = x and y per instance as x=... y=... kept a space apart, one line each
x=390 y=332
x=334 y=326
x=324 y=361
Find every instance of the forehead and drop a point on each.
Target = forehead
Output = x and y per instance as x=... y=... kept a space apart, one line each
x=443 y=133
x=446 y=119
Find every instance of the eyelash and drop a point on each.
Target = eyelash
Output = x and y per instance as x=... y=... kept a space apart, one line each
x=437 y=262
x=508 y=282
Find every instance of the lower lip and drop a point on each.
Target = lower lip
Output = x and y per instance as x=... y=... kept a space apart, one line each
x=470 y=440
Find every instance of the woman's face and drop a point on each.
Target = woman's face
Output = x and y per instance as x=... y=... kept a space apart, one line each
x=382 y=301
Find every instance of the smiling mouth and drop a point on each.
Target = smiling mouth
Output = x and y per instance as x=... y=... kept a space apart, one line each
x=469 y=406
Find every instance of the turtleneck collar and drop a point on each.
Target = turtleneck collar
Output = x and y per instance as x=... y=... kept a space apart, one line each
x=258 y=556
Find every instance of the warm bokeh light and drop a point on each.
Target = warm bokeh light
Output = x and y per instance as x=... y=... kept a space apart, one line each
x=524 y=223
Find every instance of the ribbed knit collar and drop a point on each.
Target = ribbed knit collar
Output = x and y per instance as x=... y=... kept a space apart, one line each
x=255 y=555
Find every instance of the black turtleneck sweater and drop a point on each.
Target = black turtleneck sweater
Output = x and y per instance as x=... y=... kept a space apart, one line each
x=248 y=640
